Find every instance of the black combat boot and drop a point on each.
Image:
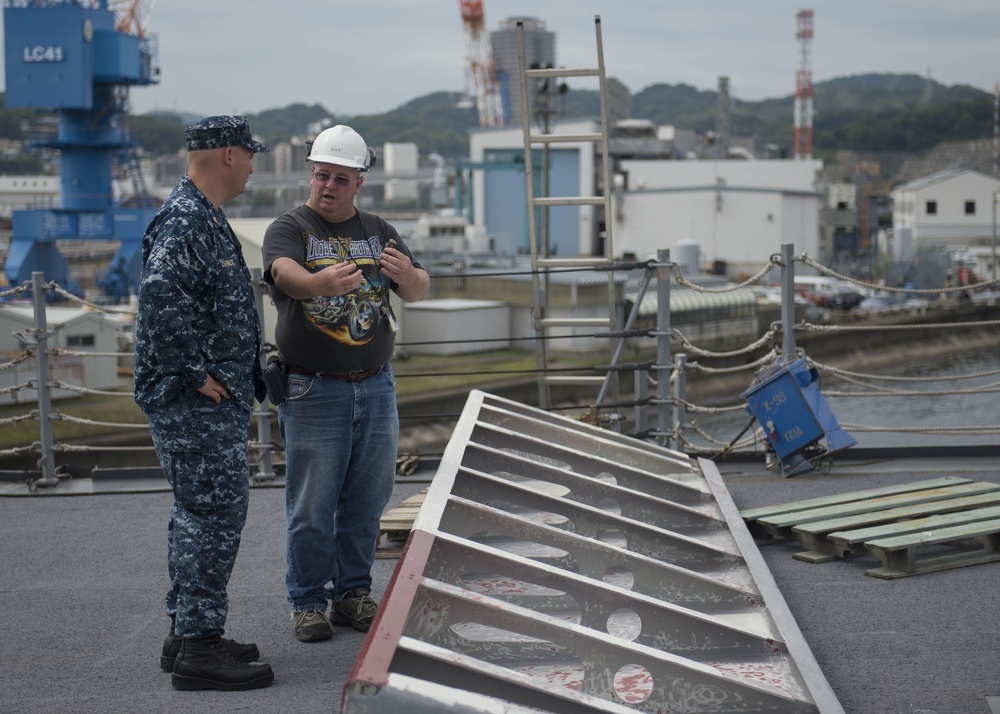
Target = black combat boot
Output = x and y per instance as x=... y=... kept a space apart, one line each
x=209 y=664
x=172 y=645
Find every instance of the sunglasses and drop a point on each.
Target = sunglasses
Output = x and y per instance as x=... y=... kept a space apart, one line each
x=324 y=177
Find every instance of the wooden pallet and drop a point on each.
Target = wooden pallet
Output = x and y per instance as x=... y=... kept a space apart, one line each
x=905 y=555
x=774 y=523
x=395 y=525
x=913 y=528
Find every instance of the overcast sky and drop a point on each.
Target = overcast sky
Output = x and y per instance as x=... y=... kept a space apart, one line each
x=370 y=56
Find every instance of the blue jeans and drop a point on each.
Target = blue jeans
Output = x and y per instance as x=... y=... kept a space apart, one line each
x=340 y=462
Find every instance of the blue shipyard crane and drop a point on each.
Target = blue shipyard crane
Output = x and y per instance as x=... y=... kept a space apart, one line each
x=78 y=59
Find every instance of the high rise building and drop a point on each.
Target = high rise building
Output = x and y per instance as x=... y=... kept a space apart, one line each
x=539 y=48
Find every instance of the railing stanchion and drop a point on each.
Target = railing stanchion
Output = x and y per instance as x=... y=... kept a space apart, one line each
x=47 y=462
x=265 y=467
x=664 y=409
x=787 y=302
x=680 y=397
x=641 y=401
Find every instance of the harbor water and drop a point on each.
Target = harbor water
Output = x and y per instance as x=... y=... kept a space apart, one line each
x=941 y=402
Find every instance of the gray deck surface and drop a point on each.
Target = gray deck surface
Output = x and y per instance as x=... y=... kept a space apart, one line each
x=83 y=577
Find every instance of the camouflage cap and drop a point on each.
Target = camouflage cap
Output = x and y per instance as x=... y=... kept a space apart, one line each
x=219 y=132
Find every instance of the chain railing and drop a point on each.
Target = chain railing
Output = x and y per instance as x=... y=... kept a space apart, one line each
x=37 y=339
x=663 y=416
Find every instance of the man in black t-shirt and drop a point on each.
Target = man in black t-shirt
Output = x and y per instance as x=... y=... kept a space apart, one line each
x=330 y=268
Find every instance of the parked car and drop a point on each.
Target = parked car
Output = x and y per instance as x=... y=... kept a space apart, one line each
x=844 y=300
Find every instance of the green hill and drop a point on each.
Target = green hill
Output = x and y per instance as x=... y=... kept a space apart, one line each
x=869 y=114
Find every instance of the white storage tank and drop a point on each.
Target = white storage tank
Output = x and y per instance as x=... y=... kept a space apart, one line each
x=688 y=257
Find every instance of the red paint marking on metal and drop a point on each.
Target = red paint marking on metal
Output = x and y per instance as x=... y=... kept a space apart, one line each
x=633 y=683
x=567 y=675
x=372 y=665
x=774 y=674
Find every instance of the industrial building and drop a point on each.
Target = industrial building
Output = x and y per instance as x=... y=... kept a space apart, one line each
x=739 y=211
x=23 y=192
x=949 y=208
x=74 y=330
x=499 y=191
x=400 y=158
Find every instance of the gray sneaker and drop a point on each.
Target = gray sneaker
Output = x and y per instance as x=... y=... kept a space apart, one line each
x=311 y=626
x=357 y=609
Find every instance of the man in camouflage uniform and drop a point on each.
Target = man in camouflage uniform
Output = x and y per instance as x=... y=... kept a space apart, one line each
x=197 y=373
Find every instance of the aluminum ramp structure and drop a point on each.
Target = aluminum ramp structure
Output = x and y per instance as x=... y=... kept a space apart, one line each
x=559 y=567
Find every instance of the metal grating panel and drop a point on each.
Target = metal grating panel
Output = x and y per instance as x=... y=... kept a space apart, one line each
x=560 y=567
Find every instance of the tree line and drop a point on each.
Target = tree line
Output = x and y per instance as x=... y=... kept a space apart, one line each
x=866 y=113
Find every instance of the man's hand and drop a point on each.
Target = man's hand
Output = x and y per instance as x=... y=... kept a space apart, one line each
x=298 y=283
x=413 y=282
x=213 y=388
x=339 y=279
x=395 y=265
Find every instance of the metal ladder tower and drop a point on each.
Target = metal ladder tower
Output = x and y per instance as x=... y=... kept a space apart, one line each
x=541 y=261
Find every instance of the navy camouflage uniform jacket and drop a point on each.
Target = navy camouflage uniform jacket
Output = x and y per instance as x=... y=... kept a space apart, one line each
x=197 y=312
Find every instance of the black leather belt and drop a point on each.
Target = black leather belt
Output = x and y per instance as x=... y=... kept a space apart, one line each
x=358 y=375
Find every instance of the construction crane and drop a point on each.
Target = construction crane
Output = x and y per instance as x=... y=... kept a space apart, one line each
x=480 y=70
x=131 y=16
x=78 y=59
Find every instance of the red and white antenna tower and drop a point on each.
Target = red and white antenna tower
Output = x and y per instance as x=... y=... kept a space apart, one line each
x=481 y=70
x=804 y=88
x=131 y=16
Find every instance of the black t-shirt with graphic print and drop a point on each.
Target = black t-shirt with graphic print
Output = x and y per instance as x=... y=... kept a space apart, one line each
x=340 y=333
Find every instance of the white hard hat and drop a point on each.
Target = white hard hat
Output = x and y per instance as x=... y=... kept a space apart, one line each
x=343 y=146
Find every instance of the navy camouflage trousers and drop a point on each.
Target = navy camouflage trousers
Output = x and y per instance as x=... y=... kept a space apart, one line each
x=203 y=451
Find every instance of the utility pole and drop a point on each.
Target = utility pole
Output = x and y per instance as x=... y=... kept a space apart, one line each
x=722 y=121
x=996 y=199
x=996 y=130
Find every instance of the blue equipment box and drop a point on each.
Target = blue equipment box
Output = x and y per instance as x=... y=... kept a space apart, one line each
x=787 y=404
